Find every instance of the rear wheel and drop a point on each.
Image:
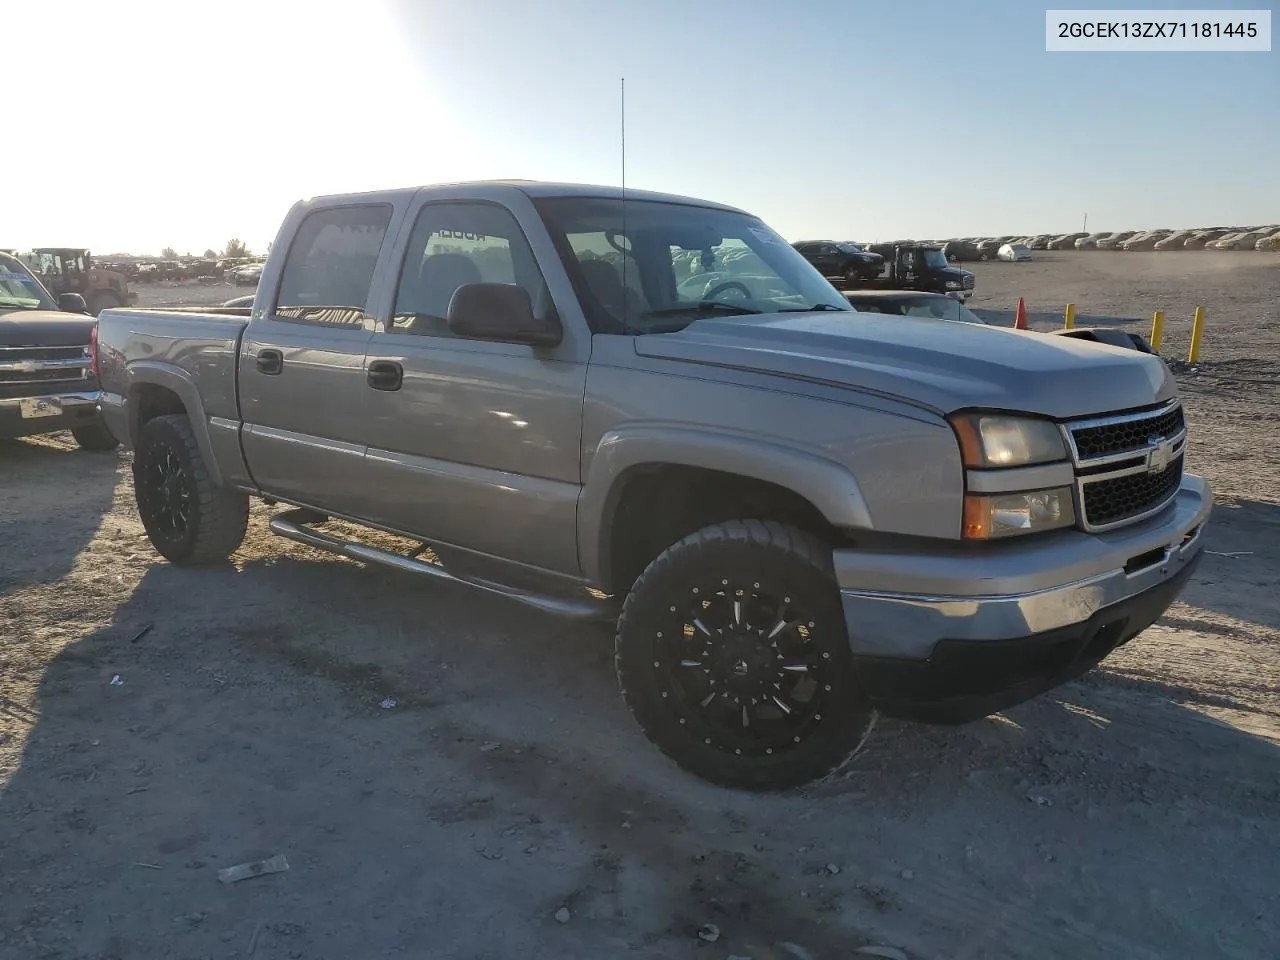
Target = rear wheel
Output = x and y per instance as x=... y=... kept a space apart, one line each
x=188 y=519
x=852 y=274
x=95 y=437
x=733 y=656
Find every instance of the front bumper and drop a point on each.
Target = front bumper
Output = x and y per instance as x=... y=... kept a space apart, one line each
x=956 y=635
x=78 y=409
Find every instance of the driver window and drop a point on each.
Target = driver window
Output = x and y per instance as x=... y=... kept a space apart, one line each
x=454 y=244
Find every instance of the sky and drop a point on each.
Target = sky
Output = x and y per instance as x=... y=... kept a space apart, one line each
x=152 y=124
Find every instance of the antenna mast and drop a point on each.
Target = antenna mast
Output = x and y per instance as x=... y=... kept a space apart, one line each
x=622 y=90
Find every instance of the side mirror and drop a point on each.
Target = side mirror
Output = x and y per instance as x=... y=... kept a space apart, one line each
x=500 y=311
x=72 y=303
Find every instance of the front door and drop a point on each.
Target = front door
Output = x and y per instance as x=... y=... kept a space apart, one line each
x=907 y=266
x=301 y=376
x=479 y=444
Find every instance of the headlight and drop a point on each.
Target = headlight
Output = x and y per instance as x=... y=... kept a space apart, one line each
x=953 y=284
x=995 y=440
x=990 y=516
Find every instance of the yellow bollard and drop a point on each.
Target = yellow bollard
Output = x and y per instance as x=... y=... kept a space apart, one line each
x=1157 y=330
x=1069 y=321
x=1197 y=331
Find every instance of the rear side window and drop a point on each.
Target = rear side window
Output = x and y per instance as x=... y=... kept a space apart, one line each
x=328 y=273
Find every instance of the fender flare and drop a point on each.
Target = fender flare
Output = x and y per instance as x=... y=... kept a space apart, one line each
x=150 y=373
x=829 y=486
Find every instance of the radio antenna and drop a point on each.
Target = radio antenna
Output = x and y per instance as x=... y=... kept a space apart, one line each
x=622 y=93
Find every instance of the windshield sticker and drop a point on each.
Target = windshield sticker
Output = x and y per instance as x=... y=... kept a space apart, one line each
x=765 y=235
x=15 y=276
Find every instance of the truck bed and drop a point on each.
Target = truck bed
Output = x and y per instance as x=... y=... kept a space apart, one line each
x=197 y=346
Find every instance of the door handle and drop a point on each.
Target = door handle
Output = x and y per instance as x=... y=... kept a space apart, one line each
x=270 y=362
x=384 y=375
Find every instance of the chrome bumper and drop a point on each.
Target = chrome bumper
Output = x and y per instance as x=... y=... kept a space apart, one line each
x=76 y=405
x=901 y=605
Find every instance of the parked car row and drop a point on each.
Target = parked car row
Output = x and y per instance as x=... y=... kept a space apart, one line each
x=1217 y=238
x=142 y=270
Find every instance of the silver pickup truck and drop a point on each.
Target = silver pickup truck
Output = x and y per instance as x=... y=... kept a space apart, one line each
x=651 y=409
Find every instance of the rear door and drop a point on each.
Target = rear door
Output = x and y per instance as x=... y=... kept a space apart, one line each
x=479 y=443
x=301 y=365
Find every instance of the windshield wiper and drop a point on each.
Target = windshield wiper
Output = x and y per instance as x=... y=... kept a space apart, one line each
x=703 y=306
x=814 y=308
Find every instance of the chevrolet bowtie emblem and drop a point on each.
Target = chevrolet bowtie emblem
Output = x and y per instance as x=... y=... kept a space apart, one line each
x=1159 y=454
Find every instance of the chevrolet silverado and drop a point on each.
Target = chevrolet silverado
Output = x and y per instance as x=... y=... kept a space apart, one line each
x=798 y=515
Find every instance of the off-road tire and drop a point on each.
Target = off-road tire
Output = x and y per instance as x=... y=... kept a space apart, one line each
x=95 y=437
x=217 y=516
x=770 y=556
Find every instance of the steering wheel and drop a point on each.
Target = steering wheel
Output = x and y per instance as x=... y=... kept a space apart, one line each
x=720 y=288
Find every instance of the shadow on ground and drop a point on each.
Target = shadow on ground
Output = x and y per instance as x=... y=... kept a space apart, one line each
x=53 y=497
x=506 y=781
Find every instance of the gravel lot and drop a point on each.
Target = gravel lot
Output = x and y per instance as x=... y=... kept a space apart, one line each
x=1131 y=814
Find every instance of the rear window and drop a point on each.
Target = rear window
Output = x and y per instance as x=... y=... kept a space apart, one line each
x=328 y=274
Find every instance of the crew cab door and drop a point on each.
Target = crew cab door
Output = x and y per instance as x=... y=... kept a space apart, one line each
x=906 y=265
x=301 y=365
x=828 y=260
x=478 y=444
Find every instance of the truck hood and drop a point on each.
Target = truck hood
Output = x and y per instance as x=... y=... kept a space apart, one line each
x=934 y=363
x=44 y=328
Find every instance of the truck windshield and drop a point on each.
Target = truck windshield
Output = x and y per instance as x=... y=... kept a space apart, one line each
x=935 y=259
x=18 y=289
x=656 y=267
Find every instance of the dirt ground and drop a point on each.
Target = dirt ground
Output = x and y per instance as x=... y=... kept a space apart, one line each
x=1129 y=815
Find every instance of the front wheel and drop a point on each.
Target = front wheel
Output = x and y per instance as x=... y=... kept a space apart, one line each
x=188 y=519
x=95 y=437
x=733 y=656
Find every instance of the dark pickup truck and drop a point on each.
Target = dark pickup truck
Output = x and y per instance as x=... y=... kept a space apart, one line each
x=920 y=266
x=47 y=377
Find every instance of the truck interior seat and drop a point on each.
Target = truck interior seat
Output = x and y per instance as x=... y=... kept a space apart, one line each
x=606 y=286
x=428 y=295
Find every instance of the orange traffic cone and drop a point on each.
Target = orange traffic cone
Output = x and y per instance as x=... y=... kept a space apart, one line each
x=1020 y=318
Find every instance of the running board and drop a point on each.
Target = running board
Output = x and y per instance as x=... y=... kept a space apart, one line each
x=292 y=526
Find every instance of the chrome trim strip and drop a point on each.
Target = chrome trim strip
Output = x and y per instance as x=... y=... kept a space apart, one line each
x=1108 y=421
x=1018 y=479
x=35 y=366
x=1176 y=440
x=78 y=398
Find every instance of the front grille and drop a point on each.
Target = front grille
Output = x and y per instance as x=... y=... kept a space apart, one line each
x=968 y=283
x=1128 y=434
x=1127 y=466
x=33 y=371
x=1121 y=498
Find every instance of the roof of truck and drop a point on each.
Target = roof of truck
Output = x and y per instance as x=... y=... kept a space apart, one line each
x=537 y=189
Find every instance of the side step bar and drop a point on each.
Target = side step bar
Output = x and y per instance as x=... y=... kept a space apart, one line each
x=292 y=526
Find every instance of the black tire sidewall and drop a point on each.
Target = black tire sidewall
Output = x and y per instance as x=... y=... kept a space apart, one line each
x=95 y=438
x=847 y=716
x=158 y=434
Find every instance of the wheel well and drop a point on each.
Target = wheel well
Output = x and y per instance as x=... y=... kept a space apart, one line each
x=148 y=401
x=659 y=505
